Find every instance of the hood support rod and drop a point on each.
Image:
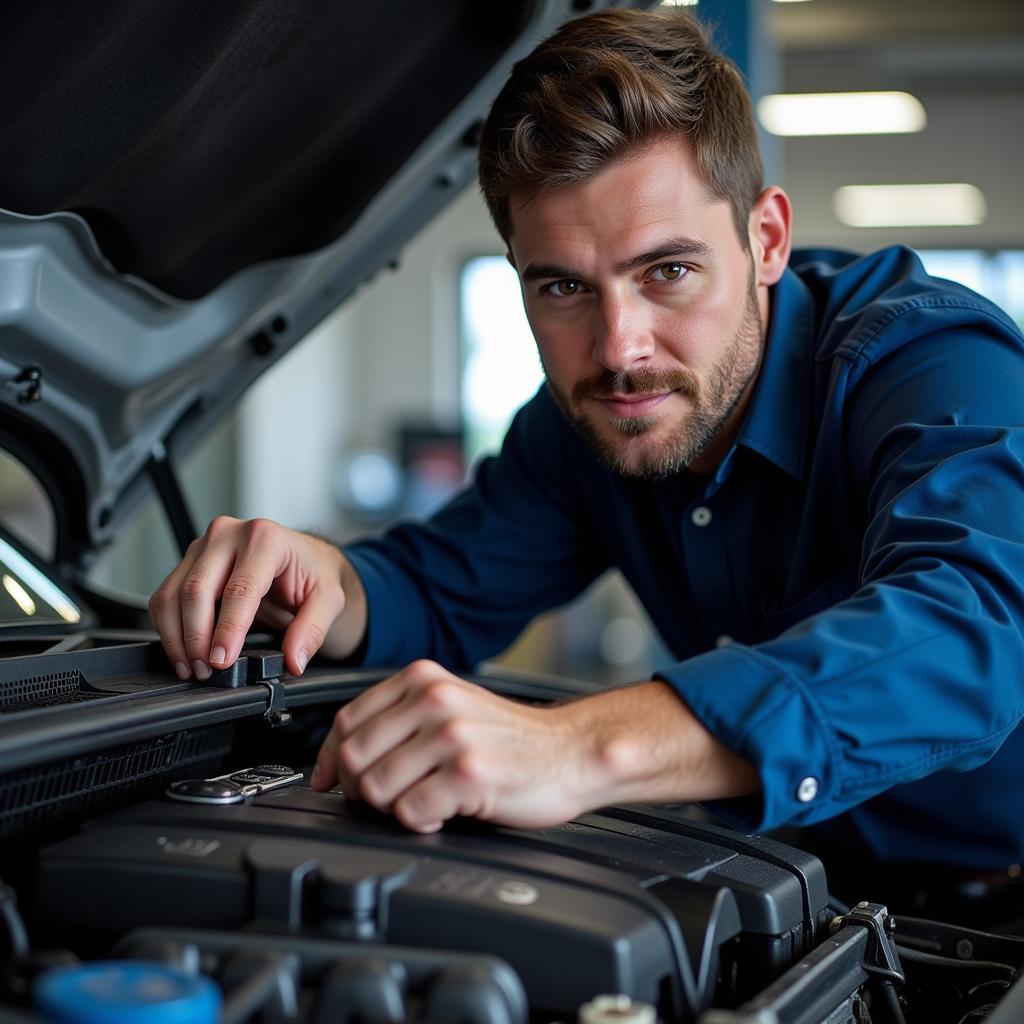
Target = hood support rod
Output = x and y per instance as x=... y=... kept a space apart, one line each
x=168 y=487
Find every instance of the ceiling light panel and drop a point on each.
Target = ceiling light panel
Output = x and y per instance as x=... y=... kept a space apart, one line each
x=878 y=206
x=841 y=113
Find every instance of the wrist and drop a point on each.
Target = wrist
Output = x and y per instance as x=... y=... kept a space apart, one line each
x=605 y=748
x=347 y=633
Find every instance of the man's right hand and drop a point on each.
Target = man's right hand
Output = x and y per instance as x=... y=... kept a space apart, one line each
x=258 y=570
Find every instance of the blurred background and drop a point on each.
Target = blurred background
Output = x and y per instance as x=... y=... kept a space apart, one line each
x=387 y=406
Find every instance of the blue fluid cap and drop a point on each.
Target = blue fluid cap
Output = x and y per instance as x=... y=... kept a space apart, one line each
x=126 y=992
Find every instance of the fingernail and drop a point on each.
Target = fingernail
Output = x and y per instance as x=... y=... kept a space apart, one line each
x=315 y=775
x=202 y=670
x=182 y=670
x=218 y=655
x=302 y=659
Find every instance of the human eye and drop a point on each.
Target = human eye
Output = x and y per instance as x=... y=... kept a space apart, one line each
x=563 y=289
x=669 y=272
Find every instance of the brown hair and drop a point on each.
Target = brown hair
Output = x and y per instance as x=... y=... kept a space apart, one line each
x=611 y=82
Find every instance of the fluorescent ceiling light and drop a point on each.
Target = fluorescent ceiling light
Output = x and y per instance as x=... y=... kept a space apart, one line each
x=679 y=3
x=20 y=595
x=841 y=113
x=48 y=591
x=880 y=206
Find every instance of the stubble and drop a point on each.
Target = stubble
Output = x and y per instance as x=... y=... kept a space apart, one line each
x=635 y=452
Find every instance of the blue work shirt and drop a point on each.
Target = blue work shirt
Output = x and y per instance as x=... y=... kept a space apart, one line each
x=860 y=546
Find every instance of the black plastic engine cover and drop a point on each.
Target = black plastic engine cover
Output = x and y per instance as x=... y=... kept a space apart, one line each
x=640 y=901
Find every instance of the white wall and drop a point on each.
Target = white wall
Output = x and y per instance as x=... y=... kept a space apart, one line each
x=291 y=425
x=408 y=359
x=390 y=355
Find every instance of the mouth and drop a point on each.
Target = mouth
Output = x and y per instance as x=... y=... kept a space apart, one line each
x=632 y=406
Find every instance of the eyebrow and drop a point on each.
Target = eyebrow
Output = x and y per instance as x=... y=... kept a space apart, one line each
x=686 y=248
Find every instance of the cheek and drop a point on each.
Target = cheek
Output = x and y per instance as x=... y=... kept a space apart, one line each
x=721 y=304
x=695 y=333
x=687 y=336
x=564 y=349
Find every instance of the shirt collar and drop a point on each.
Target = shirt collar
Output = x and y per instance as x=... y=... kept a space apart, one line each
x=775 y=425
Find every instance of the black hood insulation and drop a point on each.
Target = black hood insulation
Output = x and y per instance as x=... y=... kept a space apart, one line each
x=199 y=138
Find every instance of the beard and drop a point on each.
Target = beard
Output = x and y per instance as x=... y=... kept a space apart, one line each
x=637 y=452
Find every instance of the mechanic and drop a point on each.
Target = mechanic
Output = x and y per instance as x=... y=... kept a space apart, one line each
x=807 y=466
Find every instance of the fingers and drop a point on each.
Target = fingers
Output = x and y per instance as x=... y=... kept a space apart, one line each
x=307 y=630
x=385 y=745
x=182 y=607
x=437 y=797
x=428 y=746
x=433 y=684
x=252 y=572
x=273 y=616
x=253 y=568
x=165 y=612
x=325 y=771
x=199 y=589
x=383 y=718
x=424 y=778
x=330 y=768
x=426 y=752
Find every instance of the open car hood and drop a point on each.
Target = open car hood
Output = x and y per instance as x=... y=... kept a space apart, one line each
x=187 y=190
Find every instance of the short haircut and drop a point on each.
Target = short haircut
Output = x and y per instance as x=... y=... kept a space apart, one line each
x=607 y=85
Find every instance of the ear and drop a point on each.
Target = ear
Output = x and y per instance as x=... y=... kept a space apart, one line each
x=770 y=232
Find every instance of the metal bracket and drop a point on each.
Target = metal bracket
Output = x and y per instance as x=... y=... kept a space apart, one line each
x=880 y=957
x=28 y=385
x=826 y=983
x=258 y=668
x=277 y=714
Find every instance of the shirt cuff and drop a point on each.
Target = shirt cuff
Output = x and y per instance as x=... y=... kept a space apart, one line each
x=773 y=721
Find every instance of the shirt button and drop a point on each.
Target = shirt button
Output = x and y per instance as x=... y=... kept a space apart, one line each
x=807 y=790
x=723 y=641
x=700 y=516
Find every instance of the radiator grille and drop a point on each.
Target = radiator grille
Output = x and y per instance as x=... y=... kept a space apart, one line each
x=66 y=687
x=45 y=794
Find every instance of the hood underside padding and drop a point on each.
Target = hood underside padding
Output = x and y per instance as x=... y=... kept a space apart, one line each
x=198 y=138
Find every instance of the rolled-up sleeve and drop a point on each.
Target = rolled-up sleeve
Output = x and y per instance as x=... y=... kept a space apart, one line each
x=921 y=667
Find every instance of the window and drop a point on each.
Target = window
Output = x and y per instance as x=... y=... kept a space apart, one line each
x=501 y=368
x=25 y=509
x=998 y=276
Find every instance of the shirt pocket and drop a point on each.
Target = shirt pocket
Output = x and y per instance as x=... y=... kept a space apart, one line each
x=778 y=618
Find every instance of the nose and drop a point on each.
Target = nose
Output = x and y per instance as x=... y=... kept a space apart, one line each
x=623 y=339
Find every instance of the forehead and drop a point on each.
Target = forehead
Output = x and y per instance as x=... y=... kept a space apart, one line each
x=626 y=204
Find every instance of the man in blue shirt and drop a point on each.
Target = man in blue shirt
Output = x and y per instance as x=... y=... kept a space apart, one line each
x=808 y=468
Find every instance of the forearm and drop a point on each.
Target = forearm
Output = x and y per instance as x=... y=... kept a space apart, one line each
x=642 y=744
x=428 y=746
